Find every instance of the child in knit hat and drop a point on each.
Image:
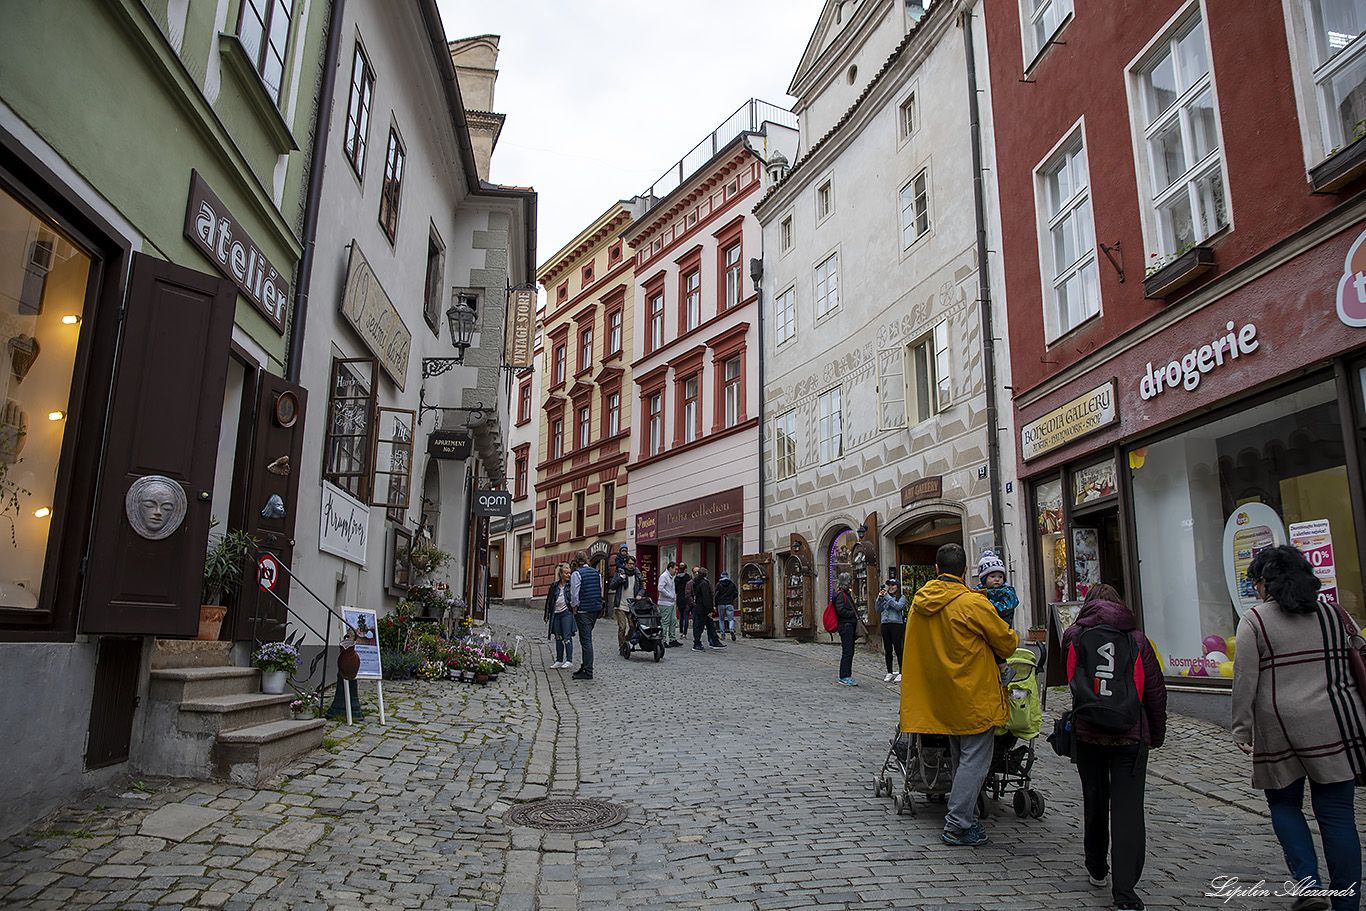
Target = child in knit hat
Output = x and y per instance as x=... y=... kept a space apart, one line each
x=991 y=575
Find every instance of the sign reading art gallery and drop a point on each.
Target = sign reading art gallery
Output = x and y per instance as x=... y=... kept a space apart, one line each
x=218 y=235
x=370 y=312
x=922 y=489
x=1083 y=415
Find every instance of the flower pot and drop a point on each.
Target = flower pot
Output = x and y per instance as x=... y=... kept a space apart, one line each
x=466 y=676
x=273 y=682
x=304 y=716
x=481 y=678
x=210 y=622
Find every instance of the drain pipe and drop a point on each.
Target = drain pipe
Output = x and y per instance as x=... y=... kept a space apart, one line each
x=756 y=274
x=293 y=361
x=984 y=292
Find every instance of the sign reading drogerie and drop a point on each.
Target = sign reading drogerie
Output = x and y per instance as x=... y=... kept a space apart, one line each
x=1083 y=415
x=218 y=235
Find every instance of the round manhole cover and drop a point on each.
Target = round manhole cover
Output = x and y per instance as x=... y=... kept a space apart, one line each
x=566 y=814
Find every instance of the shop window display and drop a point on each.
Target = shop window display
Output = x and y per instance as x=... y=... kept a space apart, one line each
x=1207 y=500
x=847 y=556
x=1052 y=541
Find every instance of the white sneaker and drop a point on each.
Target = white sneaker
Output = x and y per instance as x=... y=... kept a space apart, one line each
x=555 y=666
x=560 y=664
x=888 y=678
x=897 y=679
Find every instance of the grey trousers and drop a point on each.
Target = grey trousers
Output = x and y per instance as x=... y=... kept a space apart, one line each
x=971 y=757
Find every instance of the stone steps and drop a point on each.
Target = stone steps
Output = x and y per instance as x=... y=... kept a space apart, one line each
x=249 y=756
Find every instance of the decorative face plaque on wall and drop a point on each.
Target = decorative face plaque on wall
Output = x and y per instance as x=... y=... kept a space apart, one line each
x=155 y=506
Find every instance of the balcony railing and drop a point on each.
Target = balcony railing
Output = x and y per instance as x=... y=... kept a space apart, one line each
x=748 y=117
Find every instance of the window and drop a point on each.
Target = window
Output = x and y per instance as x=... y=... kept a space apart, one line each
x=521 y=475
x=613 y=413
x=393 y=186
x=350 y=412
x=436 y=270
x=609 y=508
x=585 y=426
x=358 y=111
x=1041 y=20
x=656 y=423
x=1181 y=141
x=928 y=381
x=1335 y=37
x=561 y=355
x=732 y=188
x=557 y=438
x=692 y=409
x=891 y=388
x=394 y=460
x=830 y=425
x=586 y=349
x=524 y=559
x=785 y=433
x=263 y=30
x=915 y=210
x=786 y=315
x=614 y=254
x=552 y=522
x=827 y=287
x=656 y=322
x=562 y=292
x=580 y=513
x=732 y=391
x=524 y=403
x=825 y=200
x=785 y=234
x=586 y=274
x=613 y=332
x=1071 y=281
x=692 y=295
x=735 y=288
x=905 y=120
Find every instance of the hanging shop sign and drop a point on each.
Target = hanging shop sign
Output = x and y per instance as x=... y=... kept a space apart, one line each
x=1315 y=540
x=345 y=524
x=367 y=308
x=492 y=503
x=922 y=489
x=1200 y=360
x=646 y=523
x=449 y=444
x=1251 y=529
x=1352 y=286
x=599 y=548
x=522 y=317
x=1083 y=415
x=702 y=514
x=219 y=236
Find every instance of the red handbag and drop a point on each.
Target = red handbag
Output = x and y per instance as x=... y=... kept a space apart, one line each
x=1356 y=650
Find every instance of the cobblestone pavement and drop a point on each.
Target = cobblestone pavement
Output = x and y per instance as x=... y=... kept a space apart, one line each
x=745 y=775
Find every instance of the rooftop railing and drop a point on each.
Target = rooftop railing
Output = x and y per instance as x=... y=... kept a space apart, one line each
x=747 y=118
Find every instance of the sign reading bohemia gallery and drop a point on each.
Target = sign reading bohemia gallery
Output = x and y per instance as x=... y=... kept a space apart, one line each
x=211 y=227
x=1084 y=414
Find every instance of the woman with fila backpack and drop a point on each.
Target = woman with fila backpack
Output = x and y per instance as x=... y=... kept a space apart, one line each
x=1112 y=740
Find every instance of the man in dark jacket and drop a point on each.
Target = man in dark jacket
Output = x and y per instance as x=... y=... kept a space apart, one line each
x=703 y=611
x=726 y=595
x=585 y=600
x=1112 y=766
x=681 y=592
x=627 y=586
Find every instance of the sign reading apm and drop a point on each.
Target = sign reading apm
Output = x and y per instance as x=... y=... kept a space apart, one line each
x=492 y=503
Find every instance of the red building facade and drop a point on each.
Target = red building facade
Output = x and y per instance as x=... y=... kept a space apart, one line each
x=1181 y=205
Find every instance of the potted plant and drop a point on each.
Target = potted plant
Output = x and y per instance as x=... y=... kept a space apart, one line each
x=276 y=661
x=426 y=558
x=222 y=578
x=305 y=705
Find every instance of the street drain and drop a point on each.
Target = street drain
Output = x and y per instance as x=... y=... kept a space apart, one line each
x=566 y=814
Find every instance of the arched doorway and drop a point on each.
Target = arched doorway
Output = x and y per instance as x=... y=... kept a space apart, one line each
x=917 y=543
x=847 y=554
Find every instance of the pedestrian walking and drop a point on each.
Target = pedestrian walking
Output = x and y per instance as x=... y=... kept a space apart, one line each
x=891 y=610
x=681 y=593
x=846 y=612
x=954 y=637
x=1112 y=765
x=560 y=618
x=627 y=585
x=704 y=612
x=726 y=594
x=668 y=605
x=1297 y=710
x=585 y=597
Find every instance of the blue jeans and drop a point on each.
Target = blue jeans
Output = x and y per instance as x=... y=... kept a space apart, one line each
x=585 y=623
x=726 y=618
x=562 y=630
x=971 y=757
x=1341 y=841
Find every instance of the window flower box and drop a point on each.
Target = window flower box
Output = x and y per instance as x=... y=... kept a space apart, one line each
x=1178 y=273
x=1340 y=168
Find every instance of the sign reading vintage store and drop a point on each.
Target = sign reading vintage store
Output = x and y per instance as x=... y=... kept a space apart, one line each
x=368 y=309
x=1083 y=415
x=219 y=236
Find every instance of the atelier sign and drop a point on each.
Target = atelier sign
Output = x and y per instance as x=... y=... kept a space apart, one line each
x=923 y=489
x=492 y=503
x=448 y=445
x=219 y=236
x=1083 y=415
x=370 y=312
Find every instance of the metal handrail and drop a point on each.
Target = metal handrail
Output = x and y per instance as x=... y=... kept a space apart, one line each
x=748 y=117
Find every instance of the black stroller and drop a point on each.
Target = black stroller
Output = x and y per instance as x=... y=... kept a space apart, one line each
x=647 y=630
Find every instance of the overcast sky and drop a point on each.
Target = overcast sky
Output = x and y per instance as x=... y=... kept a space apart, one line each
x=603 y=96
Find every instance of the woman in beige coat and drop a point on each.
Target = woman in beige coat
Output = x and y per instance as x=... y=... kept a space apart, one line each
x=1296 y=709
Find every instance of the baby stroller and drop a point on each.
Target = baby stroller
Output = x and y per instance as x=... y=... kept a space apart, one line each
x=921 y=763
x=647 y=631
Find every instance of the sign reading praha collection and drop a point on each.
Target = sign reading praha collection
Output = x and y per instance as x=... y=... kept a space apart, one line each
x=1083 y=415
x=370 y=312
x=211 y=227
x=717 y=511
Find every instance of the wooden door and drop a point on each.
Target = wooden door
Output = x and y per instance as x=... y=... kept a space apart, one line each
x=496 y=569
x=165 y=411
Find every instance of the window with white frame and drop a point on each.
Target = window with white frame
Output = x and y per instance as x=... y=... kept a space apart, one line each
x=785 y=315
x=585 y=426
x=732 y=391
x=358 y=110
x=1068 y=242
x=827 y=286
x=613 y=414
x=656 y=423
x=692 y=409
x=614 y=332
x=785 y=433
x=785 y=234
x=928 y=383
x=735 y=288
x=905 y=117
x=830 y=425
x=1180 y=142
x=557 y=438
x=692 y=317
x=657 y=322
x=1040 y=22
x=263 y=28
x=825 y=200
x=1336 y=29
x=586 y=349
x=561 y=353
x=915 y=209
x=392 y=188
x=891 y=388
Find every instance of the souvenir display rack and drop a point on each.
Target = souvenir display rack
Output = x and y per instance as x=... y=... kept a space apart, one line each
x=756 y=595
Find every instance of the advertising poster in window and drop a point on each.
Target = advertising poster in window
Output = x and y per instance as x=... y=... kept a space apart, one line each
x=1086 y=559
x=1315 y=540
x=1251 y=529
x=361 y=631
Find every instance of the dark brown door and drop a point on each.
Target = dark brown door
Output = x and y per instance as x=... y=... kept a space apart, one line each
x=113 y=701
x=277 y=441
x=165 y=412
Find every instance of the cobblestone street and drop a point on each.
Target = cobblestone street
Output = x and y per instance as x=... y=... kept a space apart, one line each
x=745 y=775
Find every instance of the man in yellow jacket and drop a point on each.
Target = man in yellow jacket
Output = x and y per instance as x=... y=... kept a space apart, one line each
x=951 y=684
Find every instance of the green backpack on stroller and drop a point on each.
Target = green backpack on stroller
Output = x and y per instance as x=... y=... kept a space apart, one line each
x=1022 y=696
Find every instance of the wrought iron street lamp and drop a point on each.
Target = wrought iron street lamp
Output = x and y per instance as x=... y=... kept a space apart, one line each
x=460 y=319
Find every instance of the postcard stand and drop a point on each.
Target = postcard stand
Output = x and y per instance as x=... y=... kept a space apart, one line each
x=360 y=626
